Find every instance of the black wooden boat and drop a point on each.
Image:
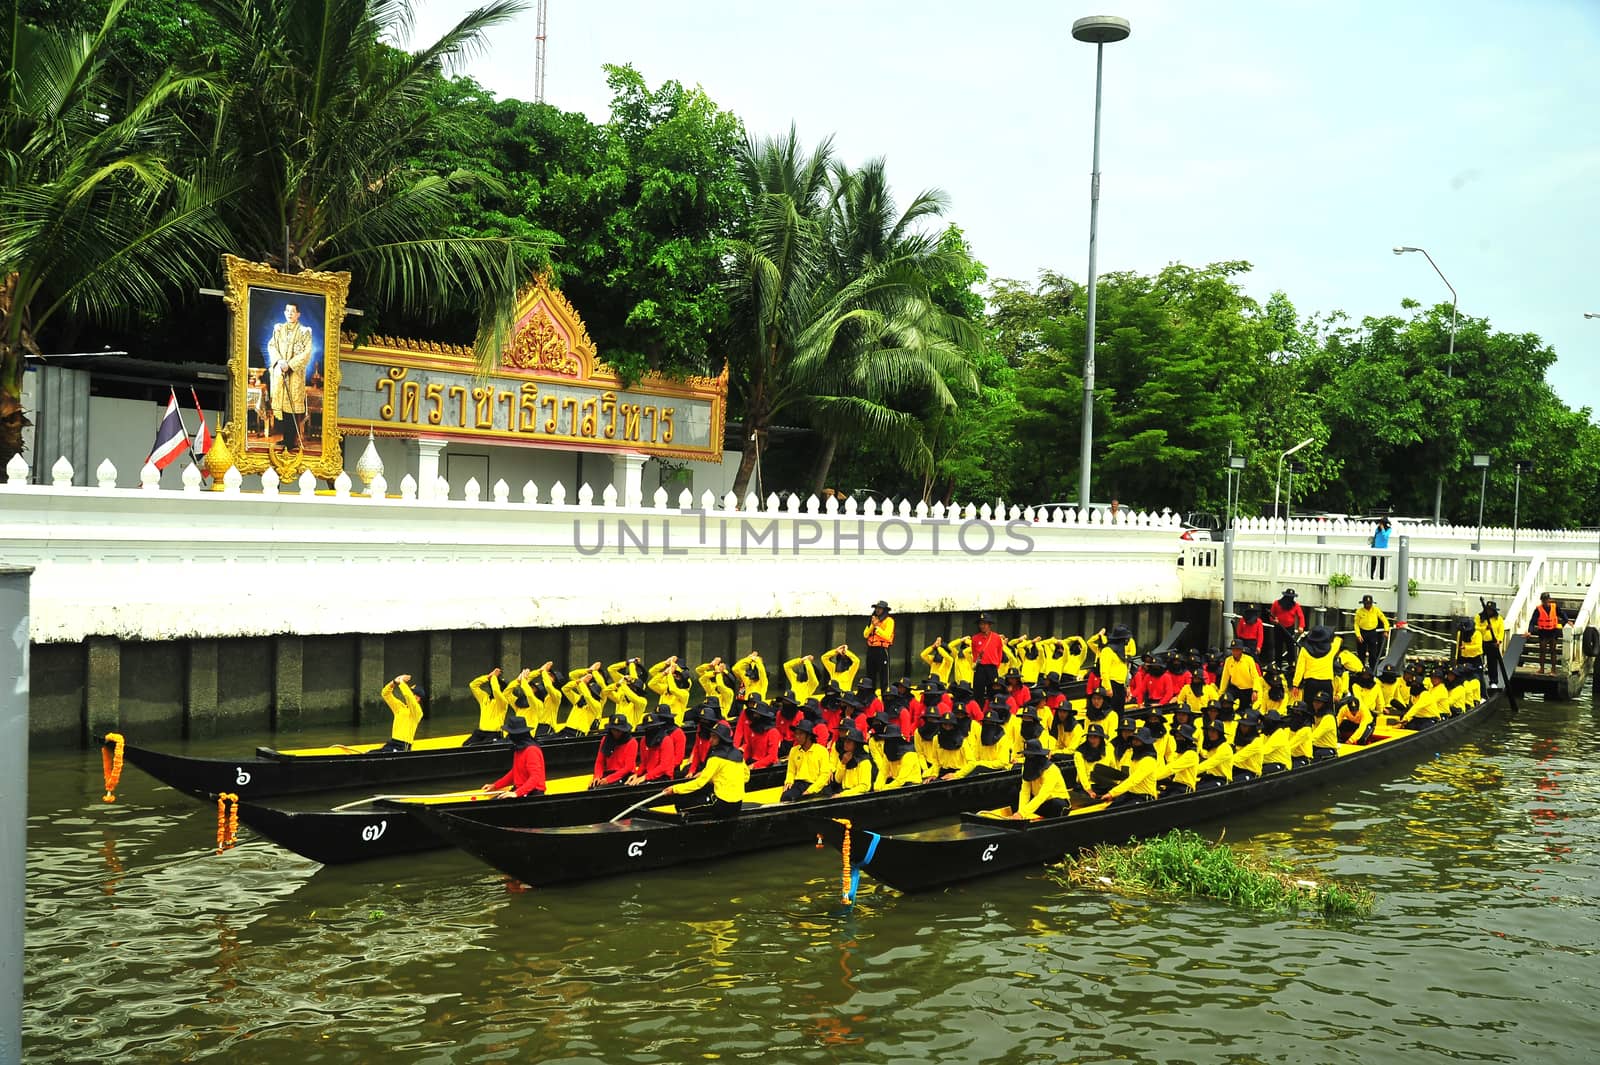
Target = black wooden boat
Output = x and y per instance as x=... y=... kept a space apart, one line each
x=979 y=846
x=659 y=839
x=384 y=827
x=274 y=772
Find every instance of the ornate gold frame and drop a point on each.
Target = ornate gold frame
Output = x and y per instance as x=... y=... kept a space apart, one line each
x=240 y=277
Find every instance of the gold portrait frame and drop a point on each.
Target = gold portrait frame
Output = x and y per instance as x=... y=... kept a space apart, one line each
x=240 y=277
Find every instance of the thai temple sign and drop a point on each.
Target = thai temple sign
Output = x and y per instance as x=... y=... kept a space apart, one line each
x=550 y=390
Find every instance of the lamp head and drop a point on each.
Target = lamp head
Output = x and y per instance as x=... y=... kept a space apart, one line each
x=1101 y=29
x=1236 y=462
x=1480 y=461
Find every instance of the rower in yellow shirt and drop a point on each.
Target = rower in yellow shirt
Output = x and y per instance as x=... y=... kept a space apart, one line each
x=1215 y=767
x=1372 y=632
x=585 y=693
x=753 y=672
x=803 y=679
x=992 y=752
x=1239 y=678
x=842 y=665
x=1313 y=668
x=1276 y=740
x=1044 y=791
x=672 y=683
x=1093 y=755
x=902 y=766
x=1180 y=770
x=725 y=772
x=1143 y=769
x=405 y=699
x=939 y=660
x=1429 y=705
x=492 y=700
x=810 y=765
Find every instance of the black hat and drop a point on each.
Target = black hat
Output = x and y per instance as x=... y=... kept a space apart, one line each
x=1094 y=730
x=1216 y=725
x=1034 y=749
x=1186 y=731
x=1491 y=607
x=1121 y=632
x=850 y=732
x=1387 y=674
x=1100 y=691
x=805 y=725
x=881 y=605
x=998 y=714
x=1236 y=645
x=961 y=690
x=1366 y=600
x=1028 y=713
x=1127 y=723
x=891 y=731
x=854 y=700
x=784 y=698
x=903 y=682
x=1289 y=593
x=1013 y=674
x=1050 y=683
x=516 y=725
x=985 y=619
x=760 y=712
x=619 y=723
x=418 y=690
x=1251 y=612
x=1145 y=737
x=661 y=716
x=722 y=733
x=1249 y=717
x=1272 y=717
x=934 y=687
x=931 y=712
x=1320 y=638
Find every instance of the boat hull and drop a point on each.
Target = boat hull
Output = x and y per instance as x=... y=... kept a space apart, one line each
x=389 y=828
x=542 y=856
x=980 y=847
x=269 y=772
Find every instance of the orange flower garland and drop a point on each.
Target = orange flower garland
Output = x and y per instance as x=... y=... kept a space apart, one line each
x=111 y=765
x=227 y=820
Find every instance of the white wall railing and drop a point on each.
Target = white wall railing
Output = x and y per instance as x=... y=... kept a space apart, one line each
x=151 y=564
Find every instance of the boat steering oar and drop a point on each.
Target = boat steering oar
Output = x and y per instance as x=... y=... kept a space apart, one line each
x=444 y=795
x=642 y=802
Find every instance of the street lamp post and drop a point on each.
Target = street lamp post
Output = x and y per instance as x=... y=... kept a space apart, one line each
x=1277 y=481
x=1235 y=473
x=1481 y=461
x=1288 y=496
x=1098 y=30
x=1450 y=363
x=1523 y=466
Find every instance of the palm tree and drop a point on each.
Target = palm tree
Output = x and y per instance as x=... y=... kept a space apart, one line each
x=94 y=222
x=829 y=323
x=321 y=118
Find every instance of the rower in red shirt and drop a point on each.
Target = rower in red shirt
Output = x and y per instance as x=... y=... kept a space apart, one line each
x=526 y=776
x=662 y=751
x=988 y=651
x=1289 y=621
x=618 y=757
x=703 y=719
x=761 y=738
x=962 y=701
x=1017 y=693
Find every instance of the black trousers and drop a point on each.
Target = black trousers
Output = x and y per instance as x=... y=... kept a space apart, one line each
x=1495 y=665
x=1053 y=808
x=878 y=667
x=1373 y=644
x=1127 y=798
x=480 y=736
x=1549 y=642
x=1309 y=687
x=797 y=790
x=983 y=677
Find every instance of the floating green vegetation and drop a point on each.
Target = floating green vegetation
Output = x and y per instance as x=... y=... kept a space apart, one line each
x=1181 y=863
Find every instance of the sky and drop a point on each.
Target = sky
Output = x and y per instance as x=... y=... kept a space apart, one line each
x=1308 y=139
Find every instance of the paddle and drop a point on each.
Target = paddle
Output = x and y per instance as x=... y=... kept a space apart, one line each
x=415 y=798
x=642 y=802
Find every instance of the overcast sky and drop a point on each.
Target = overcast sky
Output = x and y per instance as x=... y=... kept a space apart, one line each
x=1306 y=138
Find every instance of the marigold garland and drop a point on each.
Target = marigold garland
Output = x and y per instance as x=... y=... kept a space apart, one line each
x=227 y=820
x=111 y=765
x=844 y=851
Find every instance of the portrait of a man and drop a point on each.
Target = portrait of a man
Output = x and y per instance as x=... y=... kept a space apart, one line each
x=285 y=380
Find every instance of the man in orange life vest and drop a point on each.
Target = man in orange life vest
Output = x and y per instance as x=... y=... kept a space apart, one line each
x=988 y=651
x=880 y=637
x=1546 y=625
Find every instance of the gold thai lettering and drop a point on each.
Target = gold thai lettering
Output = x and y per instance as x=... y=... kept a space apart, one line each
x=666 y=424
x=510 y=400
x=608 y=407
x=569 y=407
x=549 y=403
x=483 y=402
x=410 y=397
x=650 y=415
x=386 y=384
x=434 y=394
x=460 y=392
x=590 y=408
x=528 y=409
x=630 y=421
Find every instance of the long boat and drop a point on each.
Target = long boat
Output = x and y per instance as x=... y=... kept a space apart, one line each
x=980 y=845
x=387 y=826
x=345 y=766
x=664 y=836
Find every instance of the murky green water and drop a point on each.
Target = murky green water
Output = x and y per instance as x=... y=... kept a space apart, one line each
x=145 y=947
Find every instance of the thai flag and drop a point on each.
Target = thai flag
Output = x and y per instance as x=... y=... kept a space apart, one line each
x=172 y=439
x=202 y=435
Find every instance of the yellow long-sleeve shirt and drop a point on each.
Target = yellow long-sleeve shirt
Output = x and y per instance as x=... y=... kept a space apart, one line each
x=1247 y=755
x=714 y=683
x=855 y=779
x=727 y=777
x=996 y=755
x=1276 y=749
x=754 y=673
x=1432 y=703
x=1035 y=793
x=407 y=711
x=961 y=669
x=1141 y=779
x=1369 y=618
x=1216 y=761
x=1074 y=657
x=491 y=699
x=674 y=699
x=957 y=761
x=813 y=764
x=939 y=661
x=629 y=703
x=588 y=705
x=1310 y=667
x=910 y=770
x=1492 y=629
x=1182 y=766
x=1325 y=732
x=540 y=711
x=803 y=679
x=1242 y=673
x=842 y=667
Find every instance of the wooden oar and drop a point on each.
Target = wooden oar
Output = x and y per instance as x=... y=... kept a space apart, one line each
x=642 y=802
x=417 y=798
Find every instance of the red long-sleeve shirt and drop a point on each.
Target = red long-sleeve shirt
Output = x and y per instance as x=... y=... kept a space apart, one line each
x=974 y=710
x=1291 y=619
x=1019 y=698
x=761 y=748
x=526 y=774
x=699 y=753
x=988 y=648
x=661 y=761
x=1252 y=632
x=1165 y=688
x=620 y=763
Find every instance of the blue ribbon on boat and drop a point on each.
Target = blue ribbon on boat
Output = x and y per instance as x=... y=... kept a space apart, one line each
x=855 y=871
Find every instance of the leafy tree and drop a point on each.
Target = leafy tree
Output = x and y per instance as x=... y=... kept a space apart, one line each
x=94 y=220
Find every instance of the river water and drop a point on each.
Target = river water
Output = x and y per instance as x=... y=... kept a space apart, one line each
x=144 y=946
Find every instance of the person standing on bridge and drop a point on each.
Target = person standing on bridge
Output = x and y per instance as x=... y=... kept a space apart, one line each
x=880 y=637
x=1546 y=625
x=1380 y=544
